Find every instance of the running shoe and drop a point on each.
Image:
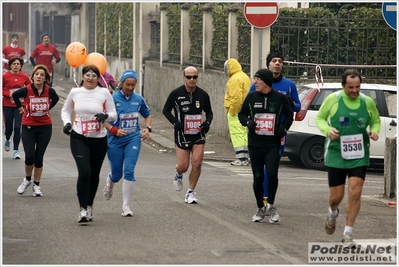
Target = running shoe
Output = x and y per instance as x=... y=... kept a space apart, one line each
x=22 y=188
x=107 y=192
x=190 y=198
x=90 y=213
x=7 y=144
x=347 y=240
x=329 y=223
x=273 y=215
x=238 y=162
x=178 y=182
x=126 y=212
x=83 y=216
x=259 y=216
x=36 y=191
x=16 y=155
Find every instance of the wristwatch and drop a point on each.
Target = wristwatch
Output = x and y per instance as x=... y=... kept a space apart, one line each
x=149 y=128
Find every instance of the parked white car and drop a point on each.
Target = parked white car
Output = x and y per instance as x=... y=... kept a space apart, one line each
x=305 y=144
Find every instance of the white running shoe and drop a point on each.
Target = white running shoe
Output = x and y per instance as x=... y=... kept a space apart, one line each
x=7 y=145
x=178 y=184
x=190 y=198
x=238 y=162
x=22 y=188
x=83 y=216
x=259 y=215
x=107 y=191
x=126 y=212
x=347 y=240
x=36 y=191
x=274 y=217
x=16 y=155
x=90 y=213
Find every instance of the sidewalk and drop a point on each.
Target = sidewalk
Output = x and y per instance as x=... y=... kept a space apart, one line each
x=217 y=148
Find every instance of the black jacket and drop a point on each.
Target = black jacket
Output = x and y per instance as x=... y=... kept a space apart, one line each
x=272 y=103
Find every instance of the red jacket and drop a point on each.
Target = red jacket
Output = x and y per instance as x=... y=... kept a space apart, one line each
x=44 y=55
x=12 y=82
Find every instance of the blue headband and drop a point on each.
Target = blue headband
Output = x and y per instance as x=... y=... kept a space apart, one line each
x=128 y=74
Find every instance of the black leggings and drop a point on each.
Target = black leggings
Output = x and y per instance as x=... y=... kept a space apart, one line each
x=12 y=122
x=89 y=154
x=35 y=140
x=260 y=157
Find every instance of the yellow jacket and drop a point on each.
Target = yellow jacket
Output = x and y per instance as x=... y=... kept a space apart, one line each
x=237 y=87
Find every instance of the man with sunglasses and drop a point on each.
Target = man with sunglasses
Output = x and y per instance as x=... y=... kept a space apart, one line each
x=188 y=102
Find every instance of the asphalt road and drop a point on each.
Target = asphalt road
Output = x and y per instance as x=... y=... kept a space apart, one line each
x=165 y=230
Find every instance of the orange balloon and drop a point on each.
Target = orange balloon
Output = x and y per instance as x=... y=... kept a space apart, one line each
x=75 y=54
x=97 y=60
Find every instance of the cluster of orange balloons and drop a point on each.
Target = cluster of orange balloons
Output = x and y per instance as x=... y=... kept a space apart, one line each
x=76 y=55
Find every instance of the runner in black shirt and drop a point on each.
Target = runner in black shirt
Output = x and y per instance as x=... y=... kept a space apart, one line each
x=188 y=103
x=261 y=112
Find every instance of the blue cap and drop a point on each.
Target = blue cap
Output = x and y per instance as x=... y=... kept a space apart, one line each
x=128 y=74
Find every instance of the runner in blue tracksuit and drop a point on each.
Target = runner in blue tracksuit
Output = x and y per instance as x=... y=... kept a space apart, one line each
x=124 y=138
x=274 y=62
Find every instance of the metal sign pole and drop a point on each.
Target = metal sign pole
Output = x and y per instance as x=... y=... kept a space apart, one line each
x=260 y=48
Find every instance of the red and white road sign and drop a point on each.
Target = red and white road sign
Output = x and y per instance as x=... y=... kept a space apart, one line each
x=261 y=14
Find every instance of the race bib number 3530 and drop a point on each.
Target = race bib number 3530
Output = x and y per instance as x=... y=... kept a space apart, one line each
x=352 y=146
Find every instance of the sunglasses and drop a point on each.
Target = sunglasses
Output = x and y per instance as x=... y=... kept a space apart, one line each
x=189 y=77
x=90 y=74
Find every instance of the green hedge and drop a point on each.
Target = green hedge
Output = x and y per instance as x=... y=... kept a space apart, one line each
x=344 y=38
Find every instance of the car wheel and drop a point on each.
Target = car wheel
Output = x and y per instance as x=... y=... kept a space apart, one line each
x=312 y=153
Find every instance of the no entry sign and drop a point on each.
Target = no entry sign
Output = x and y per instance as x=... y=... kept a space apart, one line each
x=261 y=14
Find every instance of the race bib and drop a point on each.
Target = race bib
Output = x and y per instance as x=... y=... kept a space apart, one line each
x=90 y=126
x=129 y=122
x=264 y=123
x=352 y=146
x=192 y=124
x=38 y=106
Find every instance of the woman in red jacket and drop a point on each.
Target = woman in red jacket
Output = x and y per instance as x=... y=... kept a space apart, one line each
x=39 y=98
x=13 y=80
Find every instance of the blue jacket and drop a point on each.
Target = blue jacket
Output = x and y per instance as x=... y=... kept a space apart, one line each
x=128 y=111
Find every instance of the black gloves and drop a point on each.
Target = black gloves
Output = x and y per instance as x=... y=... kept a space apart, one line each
x=251 y=125
x=101 y=117
x=280 y=132
x=205 y=127
x=178 y=125
x=67 y=129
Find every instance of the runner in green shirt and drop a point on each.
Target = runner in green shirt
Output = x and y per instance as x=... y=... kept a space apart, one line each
x=344 y=118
